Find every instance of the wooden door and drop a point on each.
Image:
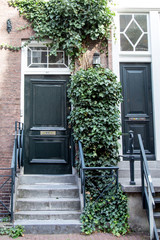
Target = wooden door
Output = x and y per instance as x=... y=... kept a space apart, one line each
x=47 y=137
x=137 y=113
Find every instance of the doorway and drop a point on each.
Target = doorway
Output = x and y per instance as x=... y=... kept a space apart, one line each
x=137 y=112
x=46 y=131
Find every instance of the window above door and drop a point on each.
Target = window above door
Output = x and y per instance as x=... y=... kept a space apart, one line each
x=134 y=33
x=37 y=58
x=40 y=57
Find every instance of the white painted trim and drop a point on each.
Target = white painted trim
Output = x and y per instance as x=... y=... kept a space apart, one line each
x=155 y=47
x=134 y=58
x=136 y=5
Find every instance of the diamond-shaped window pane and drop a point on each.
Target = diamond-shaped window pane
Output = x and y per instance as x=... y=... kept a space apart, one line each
x=142 y=21
x=143 y=44
x=125 y=44
x=133 y=32
x=124 y=21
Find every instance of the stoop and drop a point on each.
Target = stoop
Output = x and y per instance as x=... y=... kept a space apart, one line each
x=47 y=204
x=138 y=219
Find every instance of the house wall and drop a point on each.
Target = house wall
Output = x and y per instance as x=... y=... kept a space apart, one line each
x=10 y=79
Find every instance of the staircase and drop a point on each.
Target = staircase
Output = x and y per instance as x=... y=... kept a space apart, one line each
x=47 y=204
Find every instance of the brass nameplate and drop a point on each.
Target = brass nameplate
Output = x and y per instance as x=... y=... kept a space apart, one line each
x=137 y=119
x=46 y=133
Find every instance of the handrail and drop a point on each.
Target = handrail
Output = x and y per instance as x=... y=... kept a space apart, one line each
x=83 y=169
x=17 y=159
x=148 y=191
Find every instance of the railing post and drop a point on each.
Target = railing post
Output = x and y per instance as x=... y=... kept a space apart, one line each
x=131 y=158
x=142 y=180
x=151 y=219
x=84 y=190
x=12 y=193
x=72 y=150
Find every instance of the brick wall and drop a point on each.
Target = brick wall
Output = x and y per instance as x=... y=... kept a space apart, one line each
x=96 y=46
x=10 y=78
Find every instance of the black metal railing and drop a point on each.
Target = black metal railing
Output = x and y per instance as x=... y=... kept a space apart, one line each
x=107 y=173
x=148 y=191
x=7 y=175
x=5 y=191
x=17 y=158
x=130 y=157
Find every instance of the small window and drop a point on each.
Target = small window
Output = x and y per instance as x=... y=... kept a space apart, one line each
x=133 y=32
x=39 y=57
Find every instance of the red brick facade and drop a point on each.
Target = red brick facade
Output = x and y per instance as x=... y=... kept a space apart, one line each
x=10 y=79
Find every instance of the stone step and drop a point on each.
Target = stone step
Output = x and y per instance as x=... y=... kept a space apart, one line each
x=47 y=190
x=47 y=215
x=156 y=214
x=32 y=179
x=157 y=199
x=125 y=182
x=125 y=173
x=151 y=164
x=50 y=226
x=33 y=204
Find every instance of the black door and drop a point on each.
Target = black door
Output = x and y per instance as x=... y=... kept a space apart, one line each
x=137 y=106
x=47 y=137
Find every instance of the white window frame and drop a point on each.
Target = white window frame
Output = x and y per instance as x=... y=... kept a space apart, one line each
x=148 y=30
x=28 y=70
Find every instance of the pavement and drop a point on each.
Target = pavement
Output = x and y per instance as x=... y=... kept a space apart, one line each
x=95 y=236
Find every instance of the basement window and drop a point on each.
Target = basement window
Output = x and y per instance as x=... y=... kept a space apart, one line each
x=134 y=32
x=39 y=57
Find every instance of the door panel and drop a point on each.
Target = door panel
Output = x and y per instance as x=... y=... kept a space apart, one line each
x=48 y=150
x=47 y=137
x=137 y=106
x=46 y=109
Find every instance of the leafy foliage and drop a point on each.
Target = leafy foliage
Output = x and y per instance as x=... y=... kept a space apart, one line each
x=67 y=24
x=95 y=95
x=13 y=232
x=108 y=215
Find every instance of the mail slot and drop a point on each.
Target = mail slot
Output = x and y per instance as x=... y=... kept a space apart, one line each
x=46 y=133
x=137 y=119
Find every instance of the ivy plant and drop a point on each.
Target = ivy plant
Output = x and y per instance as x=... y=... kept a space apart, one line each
x=13 y=232
x=95 y=95
x=68 y=24
x=109 y=214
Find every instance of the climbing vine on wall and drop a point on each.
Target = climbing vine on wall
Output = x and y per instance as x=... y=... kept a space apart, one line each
x=68 y=24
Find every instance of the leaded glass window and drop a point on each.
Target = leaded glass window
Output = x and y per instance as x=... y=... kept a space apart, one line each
x=133 y=32
x=40 y=57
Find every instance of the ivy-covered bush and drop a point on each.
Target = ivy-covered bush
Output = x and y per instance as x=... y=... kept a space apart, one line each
x=95 y=95
x=109 y=214
x=67 y=24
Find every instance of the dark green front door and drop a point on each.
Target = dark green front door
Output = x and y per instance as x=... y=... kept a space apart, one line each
x=137 y=113
x=47 y=137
